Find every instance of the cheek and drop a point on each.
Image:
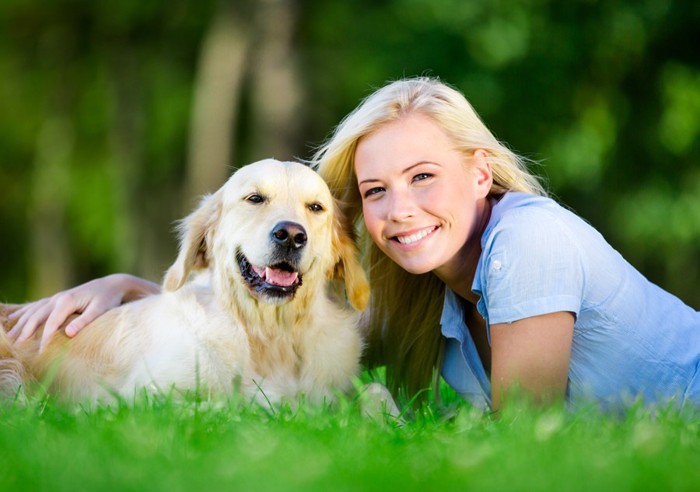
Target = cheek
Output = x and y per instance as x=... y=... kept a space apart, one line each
x=320 y=238
x=370 y=214
x=235 y=233
x=224 y=256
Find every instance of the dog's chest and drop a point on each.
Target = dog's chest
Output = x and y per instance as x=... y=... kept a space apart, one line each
x=278 y=357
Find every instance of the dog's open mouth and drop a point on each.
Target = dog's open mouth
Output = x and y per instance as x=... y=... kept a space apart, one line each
x=280 y=280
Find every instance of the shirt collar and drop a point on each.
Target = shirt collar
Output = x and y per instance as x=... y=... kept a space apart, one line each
x=452 y=319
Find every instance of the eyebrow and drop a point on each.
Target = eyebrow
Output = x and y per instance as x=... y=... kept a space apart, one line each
x=405 y=171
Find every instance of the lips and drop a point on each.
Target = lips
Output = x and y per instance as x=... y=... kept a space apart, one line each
x=280 y=280
x=408 y=239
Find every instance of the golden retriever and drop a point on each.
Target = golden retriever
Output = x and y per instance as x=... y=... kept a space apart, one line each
x=253 y=303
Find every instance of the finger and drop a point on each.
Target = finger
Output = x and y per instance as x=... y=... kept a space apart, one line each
x=88 y=316
x=34 y=314
x=28 y=307
x=19 y=312
x=32 y=323
x=22 y=313
x=19 y=324
x=58 y=316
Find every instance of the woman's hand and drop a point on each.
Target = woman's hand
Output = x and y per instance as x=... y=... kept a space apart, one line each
x=89 y=300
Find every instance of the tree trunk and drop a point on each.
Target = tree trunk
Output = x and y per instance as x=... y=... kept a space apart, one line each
x=50 y=260
x=50 y=257
x=277 y=119
x=126 y=166
x=215 y=108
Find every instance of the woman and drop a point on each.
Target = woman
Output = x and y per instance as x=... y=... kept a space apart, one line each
x=476 y=273
x=533 y=296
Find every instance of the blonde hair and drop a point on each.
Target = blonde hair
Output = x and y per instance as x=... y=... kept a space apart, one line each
x=405 y=308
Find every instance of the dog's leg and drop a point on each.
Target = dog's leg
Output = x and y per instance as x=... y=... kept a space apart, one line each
x=376 y=403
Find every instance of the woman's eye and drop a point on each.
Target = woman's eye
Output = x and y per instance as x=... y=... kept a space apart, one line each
x=372 y=191
x=255 y=198
x=316 y=207
x=422 y=176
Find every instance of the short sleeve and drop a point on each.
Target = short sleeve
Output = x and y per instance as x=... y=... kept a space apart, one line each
x=530 y=265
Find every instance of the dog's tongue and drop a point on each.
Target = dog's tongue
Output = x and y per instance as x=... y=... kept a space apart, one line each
x=280 y=277
x=275 y=276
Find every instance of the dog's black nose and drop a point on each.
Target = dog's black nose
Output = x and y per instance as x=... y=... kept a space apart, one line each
x=289 y=234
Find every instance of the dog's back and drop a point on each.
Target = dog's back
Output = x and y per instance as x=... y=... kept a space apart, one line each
x=184 y=340
x=163 y=341
x=71 y=366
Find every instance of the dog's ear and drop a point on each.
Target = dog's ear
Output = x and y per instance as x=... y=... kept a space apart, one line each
x=195 y=240
x=348 y=267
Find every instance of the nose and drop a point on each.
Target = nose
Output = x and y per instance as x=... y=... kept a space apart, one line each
x=289 y=234
x=401 y=206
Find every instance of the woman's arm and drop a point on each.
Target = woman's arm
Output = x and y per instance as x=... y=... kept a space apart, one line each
x=89 y=300
x=531 y=355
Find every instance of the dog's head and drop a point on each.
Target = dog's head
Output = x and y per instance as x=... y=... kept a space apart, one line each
x=273 y=228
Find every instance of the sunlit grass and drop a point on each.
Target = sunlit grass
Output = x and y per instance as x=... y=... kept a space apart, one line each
x=166 y=443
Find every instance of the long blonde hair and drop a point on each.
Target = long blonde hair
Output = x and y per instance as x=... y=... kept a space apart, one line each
x=404 y=317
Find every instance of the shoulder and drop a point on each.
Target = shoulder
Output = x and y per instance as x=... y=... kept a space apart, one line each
x=527 y=221
x=532 y=261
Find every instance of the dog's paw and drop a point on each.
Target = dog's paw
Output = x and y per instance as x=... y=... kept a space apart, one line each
x=376 y=402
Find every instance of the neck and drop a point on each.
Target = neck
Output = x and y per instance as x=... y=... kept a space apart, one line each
x=458 y=274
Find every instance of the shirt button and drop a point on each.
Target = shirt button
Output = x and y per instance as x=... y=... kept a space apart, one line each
x=496 y=265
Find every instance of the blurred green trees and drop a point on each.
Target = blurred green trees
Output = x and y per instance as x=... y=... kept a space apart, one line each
x=114 y=116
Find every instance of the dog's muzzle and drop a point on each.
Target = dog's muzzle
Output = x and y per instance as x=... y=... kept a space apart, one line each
x=280 y=279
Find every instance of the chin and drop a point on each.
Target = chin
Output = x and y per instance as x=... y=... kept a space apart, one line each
x=415 y=268
x=412 y=263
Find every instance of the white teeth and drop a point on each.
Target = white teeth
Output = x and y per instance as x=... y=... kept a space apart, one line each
x=414 y=237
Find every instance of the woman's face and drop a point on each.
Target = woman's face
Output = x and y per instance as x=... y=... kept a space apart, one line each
x=421 y=198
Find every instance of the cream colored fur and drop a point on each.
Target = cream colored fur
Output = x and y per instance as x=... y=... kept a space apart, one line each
x=208 y=330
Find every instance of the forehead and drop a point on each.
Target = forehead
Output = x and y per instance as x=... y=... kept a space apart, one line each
x=403 y=142
x=275 y=178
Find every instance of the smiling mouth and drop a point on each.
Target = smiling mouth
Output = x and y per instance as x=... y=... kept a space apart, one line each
x=279 y=281
x=406 y=240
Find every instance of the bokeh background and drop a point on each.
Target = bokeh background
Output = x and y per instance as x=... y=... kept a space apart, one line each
x=115 y=116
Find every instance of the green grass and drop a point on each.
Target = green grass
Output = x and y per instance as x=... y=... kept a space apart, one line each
x=163 y=443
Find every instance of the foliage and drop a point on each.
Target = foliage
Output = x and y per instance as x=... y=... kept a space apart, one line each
x=96 y=105
x=164 y=443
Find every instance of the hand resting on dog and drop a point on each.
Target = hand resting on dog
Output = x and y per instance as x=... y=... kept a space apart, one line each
x=88 y=300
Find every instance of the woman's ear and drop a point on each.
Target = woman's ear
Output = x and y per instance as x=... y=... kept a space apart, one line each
x=481 y=167
x=347 y=265
x=195 y=240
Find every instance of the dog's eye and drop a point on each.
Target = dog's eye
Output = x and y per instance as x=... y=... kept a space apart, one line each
x=316 y=207
x=255 y=198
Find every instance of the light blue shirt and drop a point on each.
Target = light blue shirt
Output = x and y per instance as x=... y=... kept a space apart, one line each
x=631 y=338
